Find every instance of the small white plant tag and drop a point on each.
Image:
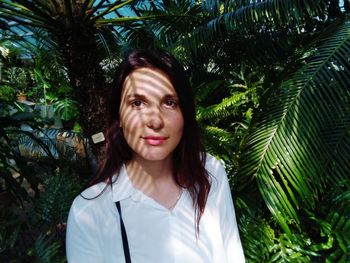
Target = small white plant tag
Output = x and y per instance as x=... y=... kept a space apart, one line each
x=98 y=137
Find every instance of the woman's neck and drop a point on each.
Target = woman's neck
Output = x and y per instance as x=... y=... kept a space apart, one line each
x=155 y=179
x=150 y=176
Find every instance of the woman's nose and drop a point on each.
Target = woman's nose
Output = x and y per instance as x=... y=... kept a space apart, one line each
x=155 y=119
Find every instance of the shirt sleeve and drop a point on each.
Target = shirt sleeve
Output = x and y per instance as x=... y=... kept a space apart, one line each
x=82 y=239
x=229 y=228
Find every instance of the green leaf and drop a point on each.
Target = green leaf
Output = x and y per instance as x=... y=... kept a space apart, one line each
x=287 y=149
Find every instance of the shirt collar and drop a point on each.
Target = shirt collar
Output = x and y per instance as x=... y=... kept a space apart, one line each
x=123 y=188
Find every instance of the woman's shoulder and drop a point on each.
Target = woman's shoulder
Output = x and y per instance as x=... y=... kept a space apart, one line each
x=92 y=197
x=216 y=171
x=214 y=166
x=85 y=223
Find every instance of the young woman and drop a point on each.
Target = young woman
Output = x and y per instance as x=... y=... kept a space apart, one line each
x=158 y=198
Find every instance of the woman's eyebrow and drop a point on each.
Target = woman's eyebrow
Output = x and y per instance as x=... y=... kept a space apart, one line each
x=141 y=96
x=136 y=95
x=171 y=96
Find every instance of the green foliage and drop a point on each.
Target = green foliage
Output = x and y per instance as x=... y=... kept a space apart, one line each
x=260 y=236
x=224 y=110
x=55 y=200
x=292 y=148
x=67 y=109
x=38 y=180
x=15 y=80
x=45 y=251
x=18 y=77
x=50 y=80
x=36 y=230
x=7 y=93
x=271 y=83
x=336 y=224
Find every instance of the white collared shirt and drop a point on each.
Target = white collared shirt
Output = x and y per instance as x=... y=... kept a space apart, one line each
x=155 y=233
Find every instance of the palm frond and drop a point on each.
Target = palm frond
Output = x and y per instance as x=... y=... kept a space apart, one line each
x=56 y=143
x=286 y=250
x=219 y=142
x=339 y=221
x=203 y=91
x=60 y=188
x=223 y=109
x=287 y=149
x=272 y=13
x=276 y=22
x=44 y=250
x=28 y=13
x=183 y=14
x=258 y=236
x=269 y=15
x=107 y=39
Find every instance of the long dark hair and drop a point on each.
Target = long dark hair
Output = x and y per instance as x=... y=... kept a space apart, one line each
x=188 y=157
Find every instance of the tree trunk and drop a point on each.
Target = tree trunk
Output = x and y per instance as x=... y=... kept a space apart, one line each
x=81 y=58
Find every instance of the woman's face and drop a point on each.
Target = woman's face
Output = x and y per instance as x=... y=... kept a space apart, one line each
x=150 y=115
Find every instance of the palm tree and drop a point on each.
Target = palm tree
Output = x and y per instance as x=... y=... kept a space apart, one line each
x=78 y=28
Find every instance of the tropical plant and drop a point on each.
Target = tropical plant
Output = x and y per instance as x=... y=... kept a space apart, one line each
x=78 y=28
x=18 y=77
x=226 y=118
x=66 y=109
x=300 y=140
x=39 y=169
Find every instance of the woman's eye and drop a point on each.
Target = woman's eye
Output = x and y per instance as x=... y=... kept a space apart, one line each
x=137 y=103
x=171 y=103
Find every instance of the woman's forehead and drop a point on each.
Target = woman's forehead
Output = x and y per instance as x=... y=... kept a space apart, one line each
x=150 y=81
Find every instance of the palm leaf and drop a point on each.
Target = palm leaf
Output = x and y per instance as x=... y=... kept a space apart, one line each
x=60 y=188
x=28 y=12
x=287 y=149
x=219 y=137
x=223 y=109
x=45 y=250
x=339 y=218
x=204 y=91
x=54 y=143
x=272 y=13
x=270 y=20
x=258 y=237
x=183 y=14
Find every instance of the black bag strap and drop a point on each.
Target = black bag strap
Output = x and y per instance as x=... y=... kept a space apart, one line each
x=124 y=236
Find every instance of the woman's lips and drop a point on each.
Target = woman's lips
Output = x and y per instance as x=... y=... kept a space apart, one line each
x=155 y=140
